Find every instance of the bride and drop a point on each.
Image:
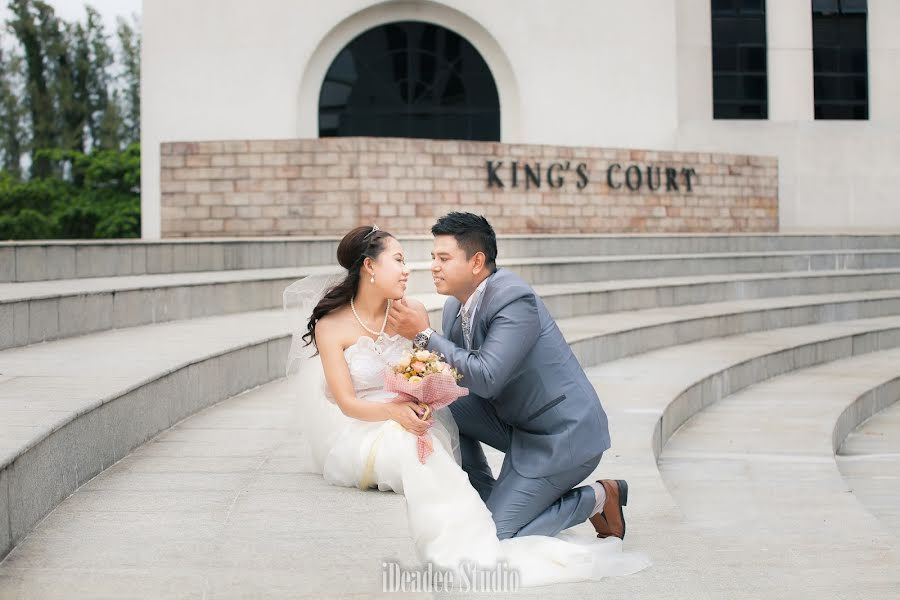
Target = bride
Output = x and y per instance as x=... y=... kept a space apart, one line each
x=360 y=438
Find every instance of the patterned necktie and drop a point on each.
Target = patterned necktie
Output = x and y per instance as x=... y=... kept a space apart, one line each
x=467 y=327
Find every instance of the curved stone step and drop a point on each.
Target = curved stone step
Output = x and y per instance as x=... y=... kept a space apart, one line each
x=195 y=511
x=598 y=269
x=869 y=456
x=594 y=339
x=597 y=339
x=74 y=407
x=655 y=392
x=591 y=268
x=70 y=259
x=591 y=339
x=757 y=469
x=48 y=310
x=248 y=481
x=51 y=310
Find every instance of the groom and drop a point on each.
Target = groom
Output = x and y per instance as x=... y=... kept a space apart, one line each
x=529 y=397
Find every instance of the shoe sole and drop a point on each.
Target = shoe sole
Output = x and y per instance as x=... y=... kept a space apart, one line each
x=623 y=501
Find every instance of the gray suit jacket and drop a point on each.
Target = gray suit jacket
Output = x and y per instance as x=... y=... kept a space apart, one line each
x=522 y=365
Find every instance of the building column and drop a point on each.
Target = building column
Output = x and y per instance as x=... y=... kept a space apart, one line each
x=789 y=40
x=884 y=52
x=693 y=35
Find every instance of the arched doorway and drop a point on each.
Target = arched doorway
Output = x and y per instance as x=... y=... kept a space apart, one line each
x=409 y=79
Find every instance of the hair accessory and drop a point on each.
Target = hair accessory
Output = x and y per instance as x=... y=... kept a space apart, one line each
x=374 y=229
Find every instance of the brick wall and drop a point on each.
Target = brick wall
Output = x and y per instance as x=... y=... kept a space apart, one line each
x=327 y=186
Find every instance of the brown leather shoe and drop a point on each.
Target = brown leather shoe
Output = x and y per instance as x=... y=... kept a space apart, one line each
x=611 y=520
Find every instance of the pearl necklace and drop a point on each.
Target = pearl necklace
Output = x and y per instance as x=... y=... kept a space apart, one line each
x=380 y=334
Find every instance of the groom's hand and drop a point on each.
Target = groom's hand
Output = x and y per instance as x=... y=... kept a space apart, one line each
x=407 y=320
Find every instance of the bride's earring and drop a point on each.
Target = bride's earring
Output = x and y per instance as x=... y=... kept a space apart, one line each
x=372 y=280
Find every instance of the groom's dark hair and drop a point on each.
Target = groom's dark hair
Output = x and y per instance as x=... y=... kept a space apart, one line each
x=473 y=233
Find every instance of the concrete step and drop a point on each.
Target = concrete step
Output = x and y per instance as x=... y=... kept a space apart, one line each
x=47 y=310
x=619 y=334
x=223 y=503
x=72 y=408
x=651 y=395
x=50 y=310
x=869 y=457
x=597 y=339
x=99 y=304
x=756 y=469
x=565 y=300
x=71 y=259
x=197 y=498
x=606 y=268
x=36 y=411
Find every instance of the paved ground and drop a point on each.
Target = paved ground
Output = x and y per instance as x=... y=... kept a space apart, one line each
x=755 y=474
x=223 y=504
x=870 y=462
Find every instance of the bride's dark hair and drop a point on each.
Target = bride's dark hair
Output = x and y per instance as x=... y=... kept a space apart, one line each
x=353 y=250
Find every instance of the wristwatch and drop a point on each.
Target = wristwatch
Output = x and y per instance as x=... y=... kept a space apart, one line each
x=421 y=339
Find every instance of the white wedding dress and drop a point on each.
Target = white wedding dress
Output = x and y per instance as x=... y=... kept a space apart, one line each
x=449 y=522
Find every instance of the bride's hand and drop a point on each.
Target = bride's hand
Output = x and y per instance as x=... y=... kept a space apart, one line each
x=408 y=415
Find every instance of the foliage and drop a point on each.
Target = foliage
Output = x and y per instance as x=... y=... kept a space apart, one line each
x=99 y=199
x=69 y=126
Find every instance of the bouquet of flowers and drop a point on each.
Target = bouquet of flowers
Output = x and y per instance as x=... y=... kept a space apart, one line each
x=424 y=377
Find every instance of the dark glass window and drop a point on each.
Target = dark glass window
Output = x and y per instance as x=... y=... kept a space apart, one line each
x=740 y=84
x=410 y=79
x=840 y=59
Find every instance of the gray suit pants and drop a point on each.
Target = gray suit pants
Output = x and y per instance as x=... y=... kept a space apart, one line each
x=519 y=505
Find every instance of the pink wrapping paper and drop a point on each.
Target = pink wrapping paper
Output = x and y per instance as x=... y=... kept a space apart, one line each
x=437 y=390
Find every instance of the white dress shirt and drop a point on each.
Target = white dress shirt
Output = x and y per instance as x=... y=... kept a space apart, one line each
x=472 y=303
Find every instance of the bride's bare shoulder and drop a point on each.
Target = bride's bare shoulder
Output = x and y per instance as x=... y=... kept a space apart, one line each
x=335 y=327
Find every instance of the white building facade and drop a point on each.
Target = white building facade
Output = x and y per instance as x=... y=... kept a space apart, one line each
x=596 y=73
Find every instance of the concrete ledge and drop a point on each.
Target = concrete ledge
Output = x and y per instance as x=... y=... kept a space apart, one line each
x=613 y=296
x=40 y=261
x=869 y=454
x=99 y=433
x=6 y=538
x=42 y=311
x=770 y=364
x=755 y=473
x=630 y=334
x=93 y=305
x=65 y=259
x=658 y=527
x=85 y=442
x=863 y=408
x=574 y=269
x=40 y=474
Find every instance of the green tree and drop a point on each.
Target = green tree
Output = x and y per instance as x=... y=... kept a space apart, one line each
x=31 y=22
x=104 y=203
x=12 y=114
x=71 y=106
x=104 y=112
x=130 y=58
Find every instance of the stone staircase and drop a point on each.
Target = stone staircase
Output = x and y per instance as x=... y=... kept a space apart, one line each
x=147 y=436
